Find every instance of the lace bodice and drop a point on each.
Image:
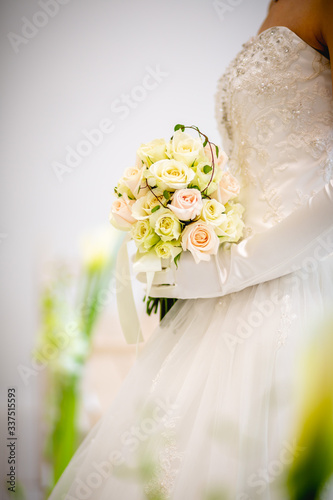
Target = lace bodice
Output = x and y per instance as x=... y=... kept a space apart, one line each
x=275 y=114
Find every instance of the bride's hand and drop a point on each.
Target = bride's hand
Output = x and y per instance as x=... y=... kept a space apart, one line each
x=272 y=253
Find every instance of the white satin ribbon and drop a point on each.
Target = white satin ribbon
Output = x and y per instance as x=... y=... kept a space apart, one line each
x=149 y=263
x=127 y=312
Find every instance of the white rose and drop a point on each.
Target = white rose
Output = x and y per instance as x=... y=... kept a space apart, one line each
x=142 y=207
x=166 y=224
x=186 y=204
x=167 y=249
x=183 y=147
x=144 y=235
x=152 y=151
x=236 y=208
x=201 y=240
x=132 y=179
x=170 y=175
x=202 y=179
x=122 y=189
x=232 y=228
x=213 y=212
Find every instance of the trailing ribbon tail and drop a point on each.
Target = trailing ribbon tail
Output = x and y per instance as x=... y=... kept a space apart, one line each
x=127 y=312
x=149 y=263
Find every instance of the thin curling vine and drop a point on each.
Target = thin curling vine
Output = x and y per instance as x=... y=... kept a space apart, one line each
x=207 y=168
x=157 y=198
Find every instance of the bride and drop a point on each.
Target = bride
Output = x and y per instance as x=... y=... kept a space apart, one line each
x=207 y=412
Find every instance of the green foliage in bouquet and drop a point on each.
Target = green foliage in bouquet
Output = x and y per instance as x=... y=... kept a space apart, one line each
x=153 y=304
x=71 y=304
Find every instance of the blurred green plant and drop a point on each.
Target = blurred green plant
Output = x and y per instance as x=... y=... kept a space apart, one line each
x=71 y=304
x=312 y=468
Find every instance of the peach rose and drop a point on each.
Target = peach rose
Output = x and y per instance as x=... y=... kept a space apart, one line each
x=201 y=240
x=228 y=187
x=132 y=179
x=121 y=213
x=186 y=204
x=219 y=160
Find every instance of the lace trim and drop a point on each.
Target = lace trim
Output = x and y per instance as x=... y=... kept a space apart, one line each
x=286 y=320
x=168 y=464
x=270 y=116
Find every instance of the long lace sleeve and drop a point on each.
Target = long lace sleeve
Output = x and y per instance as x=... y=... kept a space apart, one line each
x=303 y=238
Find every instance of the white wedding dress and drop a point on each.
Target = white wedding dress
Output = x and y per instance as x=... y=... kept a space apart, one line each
x=207 y=411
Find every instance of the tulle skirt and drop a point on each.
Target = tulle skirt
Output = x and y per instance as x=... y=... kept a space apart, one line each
x=208 y=410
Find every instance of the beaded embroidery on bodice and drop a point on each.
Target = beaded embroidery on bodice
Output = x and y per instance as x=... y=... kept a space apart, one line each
x=275 y=114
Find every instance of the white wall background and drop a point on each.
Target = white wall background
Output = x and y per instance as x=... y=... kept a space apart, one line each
x=62 y=80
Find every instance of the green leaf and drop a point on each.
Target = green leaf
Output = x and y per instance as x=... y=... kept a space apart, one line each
x=207 y=169
x=155 y=209
x=131 y=198
x=205 y=142
x=166 y=194
x=217 y=150
x=192 y=186
x=176 y=259
x=179 y=126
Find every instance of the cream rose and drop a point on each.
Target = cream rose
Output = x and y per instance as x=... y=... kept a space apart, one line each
x=170 y=175
x=203 y=179
x=213 y=212
x=201 y=240
x=236 y=208
x=167 y=249
x=142 y=207
x=186 y=204
x=232 y=228
x=228 y=187
x=152 y=151
x=132 y=179
x=166 y=224
x=121 y=213
x=144 y=235
x=183 y=147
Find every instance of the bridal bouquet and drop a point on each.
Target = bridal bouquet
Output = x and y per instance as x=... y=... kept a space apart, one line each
x=178 y=197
